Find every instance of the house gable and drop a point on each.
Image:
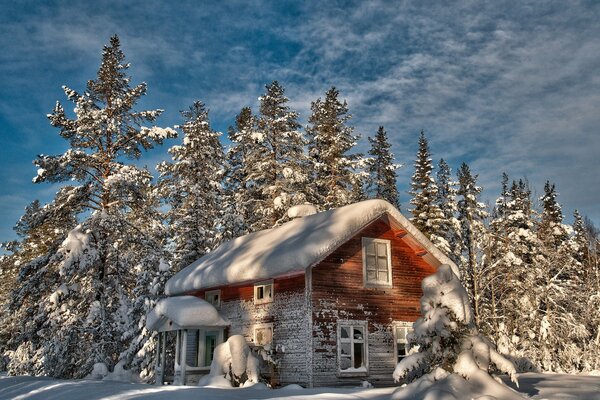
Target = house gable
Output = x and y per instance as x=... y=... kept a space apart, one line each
x=339 y=293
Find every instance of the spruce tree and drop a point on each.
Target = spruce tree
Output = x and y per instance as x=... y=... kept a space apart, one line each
x=41 y=229
x=448 y=239
x=191 y=186
x=426 y=213
x=243 y=195
x=473 y=235
x=562 y=333
x=330 y=141
x=86 y=309
x=281 y=172
x=382 y=170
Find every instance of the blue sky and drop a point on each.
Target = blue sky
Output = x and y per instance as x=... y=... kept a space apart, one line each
x=505 y=86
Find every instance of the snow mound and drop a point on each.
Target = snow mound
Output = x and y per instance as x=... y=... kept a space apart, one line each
x=292 y=247
x=301 y=210
x=440 y=385
x=234 y=361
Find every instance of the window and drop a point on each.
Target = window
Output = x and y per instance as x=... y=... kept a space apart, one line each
x=263 y=292
x=377 y=262
x=213 y=297
x=263 y=335
x=352 y=348
x=401 y=331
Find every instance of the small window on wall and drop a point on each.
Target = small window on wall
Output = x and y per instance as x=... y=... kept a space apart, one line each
x=352 y=348
x=263 y=292
x=401 y=331
x=263 y=335
x=377 y=268
x=213 y=297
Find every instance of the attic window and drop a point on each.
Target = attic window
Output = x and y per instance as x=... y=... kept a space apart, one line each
x=213 y=297
x=263 y=292
x=377 y=262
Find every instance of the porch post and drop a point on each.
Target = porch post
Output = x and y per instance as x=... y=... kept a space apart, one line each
x=163 y=355
x=184 y=356
x=177 y=369
x=159 y=367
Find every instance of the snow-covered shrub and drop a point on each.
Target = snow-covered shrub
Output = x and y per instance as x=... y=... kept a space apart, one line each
x=235 y=361
x=450 y=347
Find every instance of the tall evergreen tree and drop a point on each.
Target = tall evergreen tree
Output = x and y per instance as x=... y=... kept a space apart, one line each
x=243 y=195
x=473 y=239
x=382 y=170
x=191 y=186
x=41 y=229
x=335 y=181
x=426 y=213
x=86 y=309
x=448 y=239
x=562 y=334
x=281 y=173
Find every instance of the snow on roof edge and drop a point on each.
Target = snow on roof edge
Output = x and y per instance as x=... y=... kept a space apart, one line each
x=291 y=247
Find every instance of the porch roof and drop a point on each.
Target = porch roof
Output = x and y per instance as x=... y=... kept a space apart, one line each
x=180 y=312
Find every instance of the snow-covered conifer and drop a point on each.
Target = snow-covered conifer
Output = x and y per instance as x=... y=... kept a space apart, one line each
x=191 y=186
x=330 y=142
x=243 y=195
x=449 y=343
x=426 y=213
x=88 y=308
x=281 y=172
x=562 y=332
x=473 y=238
x=382 y=170
x=448 y=237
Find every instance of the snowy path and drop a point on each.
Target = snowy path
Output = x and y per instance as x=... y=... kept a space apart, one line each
x=538 y=386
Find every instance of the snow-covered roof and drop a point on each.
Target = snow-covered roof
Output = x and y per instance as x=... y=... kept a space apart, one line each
x=294 y=246
x=180 y=312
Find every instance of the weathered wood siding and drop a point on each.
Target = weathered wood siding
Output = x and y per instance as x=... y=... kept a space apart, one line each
x=338 y=293
x=288 y=313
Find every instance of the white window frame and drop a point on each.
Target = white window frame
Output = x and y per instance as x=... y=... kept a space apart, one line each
x=212 y=293
x=408 y=326
x=353 y=324
x=263 y=285
x=368 y=241
x=262 y=326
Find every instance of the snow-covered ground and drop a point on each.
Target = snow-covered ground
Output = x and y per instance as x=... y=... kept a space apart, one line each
x=538 y=386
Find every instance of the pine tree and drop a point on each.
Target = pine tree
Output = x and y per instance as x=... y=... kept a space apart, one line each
x=331 y=139
x=87 y=309
x=191 y=186
x=426 y=213
x=449 y=343
x=243 y=195
x=561 y=283
x=382 y=170
x=281 y=173
x=448 y=239
x=473 y=233
x=41 y=229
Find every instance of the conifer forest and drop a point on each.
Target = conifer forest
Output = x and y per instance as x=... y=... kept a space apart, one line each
x=88 y=266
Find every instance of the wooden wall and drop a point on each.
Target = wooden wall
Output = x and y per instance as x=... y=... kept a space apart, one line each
x=288 y=313
x=338 y=293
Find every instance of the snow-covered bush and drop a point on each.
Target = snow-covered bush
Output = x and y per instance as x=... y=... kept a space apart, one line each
x=450 y=347
x=234 y=361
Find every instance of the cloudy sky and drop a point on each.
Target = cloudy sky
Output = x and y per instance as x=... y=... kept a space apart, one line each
x=505 y=86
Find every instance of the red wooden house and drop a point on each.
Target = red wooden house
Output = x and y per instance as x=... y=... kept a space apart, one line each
x=334 y=293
